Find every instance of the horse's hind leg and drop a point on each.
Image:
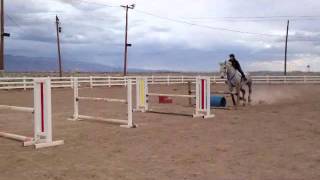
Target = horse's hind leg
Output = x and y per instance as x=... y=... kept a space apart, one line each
x=250 y=92
x=233 y=100
x=243 y=91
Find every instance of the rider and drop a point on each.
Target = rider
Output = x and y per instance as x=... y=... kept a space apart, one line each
x=235 y=63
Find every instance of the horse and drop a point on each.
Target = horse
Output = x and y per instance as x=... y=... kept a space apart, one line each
x=234 y=80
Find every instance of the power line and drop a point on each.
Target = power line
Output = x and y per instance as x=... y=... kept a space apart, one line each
x=212 y=27
x=257 y=17
x=98 y=4
x=249 y=20
x=12 y=20
x=205 y=26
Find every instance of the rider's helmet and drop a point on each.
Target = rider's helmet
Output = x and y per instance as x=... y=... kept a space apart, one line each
x=231 y=56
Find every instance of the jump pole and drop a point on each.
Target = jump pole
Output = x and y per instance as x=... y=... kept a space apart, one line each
x=42 y=115
x=203 y=108
x=202 y=96
x=141 y=94
x=123 y=123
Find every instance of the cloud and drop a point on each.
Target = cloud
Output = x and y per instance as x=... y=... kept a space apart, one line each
x=93 y=32
x=292 y=65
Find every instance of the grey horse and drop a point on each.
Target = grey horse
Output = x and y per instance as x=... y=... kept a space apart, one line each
x=234 y=80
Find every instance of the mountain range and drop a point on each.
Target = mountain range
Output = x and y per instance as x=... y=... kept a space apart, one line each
x=43 y=64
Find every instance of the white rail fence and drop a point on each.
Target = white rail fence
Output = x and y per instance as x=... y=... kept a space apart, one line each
x=7 y=83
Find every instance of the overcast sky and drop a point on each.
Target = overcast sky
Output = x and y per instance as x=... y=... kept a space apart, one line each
x=93 y=32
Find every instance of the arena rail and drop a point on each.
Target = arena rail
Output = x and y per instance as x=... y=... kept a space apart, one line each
x=8 y=83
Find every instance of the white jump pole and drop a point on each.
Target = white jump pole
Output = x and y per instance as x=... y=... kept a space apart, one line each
x=42 y=113
x=129 y=102
x=75 y=99
x=124 y=123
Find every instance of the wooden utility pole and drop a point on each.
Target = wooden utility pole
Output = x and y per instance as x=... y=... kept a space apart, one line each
x=58 y=44
x=126 y=45
x=2 y=38
x=286 y=50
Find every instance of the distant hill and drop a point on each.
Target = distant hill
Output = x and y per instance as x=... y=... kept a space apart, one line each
x=23 y=64
x=40 y=64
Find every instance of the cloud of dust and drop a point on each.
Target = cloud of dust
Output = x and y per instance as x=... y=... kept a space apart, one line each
x=273 y=96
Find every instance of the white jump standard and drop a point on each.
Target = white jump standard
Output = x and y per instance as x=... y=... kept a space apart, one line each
x=42 y=115
x=202 y=96
x=123 y=123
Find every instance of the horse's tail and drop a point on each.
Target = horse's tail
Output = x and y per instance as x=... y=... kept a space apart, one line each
x=250 y=85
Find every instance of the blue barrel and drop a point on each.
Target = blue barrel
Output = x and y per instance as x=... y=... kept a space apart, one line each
x=218 y=101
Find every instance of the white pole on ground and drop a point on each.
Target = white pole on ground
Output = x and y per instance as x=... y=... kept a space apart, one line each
x=15 y=137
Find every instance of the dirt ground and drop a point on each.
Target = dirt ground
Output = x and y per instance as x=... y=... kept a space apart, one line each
x=276 y=138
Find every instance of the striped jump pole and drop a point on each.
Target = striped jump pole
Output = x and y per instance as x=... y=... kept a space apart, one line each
x=203 y=108
x=202 y=96
x=141 y=94
x=42 y=114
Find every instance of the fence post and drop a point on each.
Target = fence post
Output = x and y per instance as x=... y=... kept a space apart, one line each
x=285 y=79
x=152 y=79
x=304 y=79
x=182 y=79
x=90 y=81
x=189 y=93
x=168 y=80
x=268 y=79
x=109 y=81
x=24 y=83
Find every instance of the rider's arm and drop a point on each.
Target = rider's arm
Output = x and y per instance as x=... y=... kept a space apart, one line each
x=238 y=67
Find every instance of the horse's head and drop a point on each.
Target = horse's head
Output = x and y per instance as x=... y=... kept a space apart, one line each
x=225 y=68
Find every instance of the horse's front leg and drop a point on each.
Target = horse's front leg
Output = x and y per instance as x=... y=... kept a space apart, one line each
x=238 y=94
x=243 y=91
x=232 y=95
